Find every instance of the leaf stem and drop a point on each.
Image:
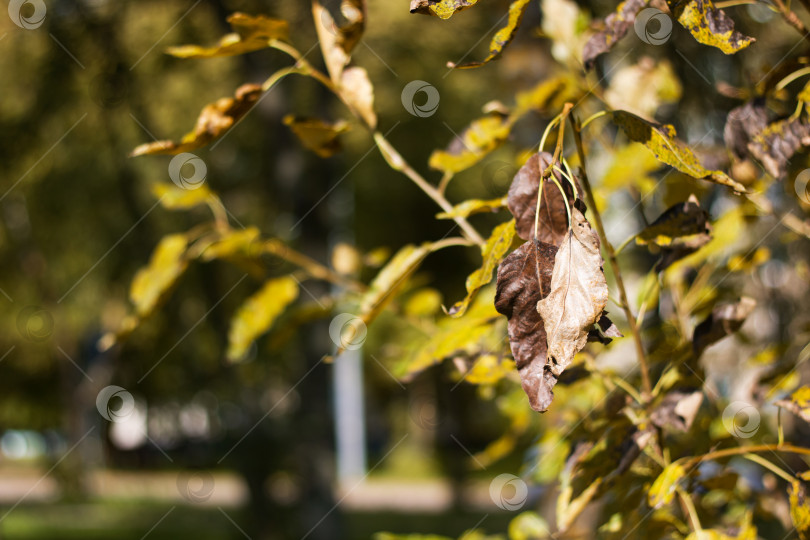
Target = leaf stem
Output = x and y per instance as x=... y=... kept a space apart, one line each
x=792 y=19
x=312 y=267
x=770 y=466
x=631 y=319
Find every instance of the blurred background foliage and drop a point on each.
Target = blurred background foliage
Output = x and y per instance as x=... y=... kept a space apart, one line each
x=79 y=218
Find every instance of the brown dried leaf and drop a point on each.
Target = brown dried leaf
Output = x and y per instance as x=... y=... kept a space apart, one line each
x=522 y=201
x=524 y=278
x=724 y=320
x=250 y=33
x=579 y=294
x=215 y=119
x=677 y=410
x=681 y=230
x=337 y=42
x=743 y=123
x=616 y=26
x=776 y=144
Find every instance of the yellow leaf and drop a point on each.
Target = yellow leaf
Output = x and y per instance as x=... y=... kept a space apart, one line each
x=245 y=242
x=251 y=33
x=710 y=26
x=152 y=283
x=502 y=38
x=176 y=198
x=423 y=303
x=480 y=138
x=799 y=509
x=492 y=252
x=473 y=206
x=547 y=94
x=661 y=140
x=214 y=120
x=663 y=489
x=709 y=534
x=257 y=314
x=528 y=526
x=799 y=403
x=452 y=336
x=489 y=369
x=319 y=136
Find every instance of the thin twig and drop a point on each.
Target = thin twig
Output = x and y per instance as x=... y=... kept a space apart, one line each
x=600 y=229
x=792 y=19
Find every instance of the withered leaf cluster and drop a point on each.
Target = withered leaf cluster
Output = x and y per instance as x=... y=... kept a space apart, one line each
x=552 y=288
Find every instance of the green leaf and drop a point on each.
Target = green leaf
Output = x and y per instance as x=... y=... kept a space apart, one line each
x=473 y=206
x=502 y=38
x=173 y=197
x=710 y=26
x=245 y=242
x=662 y=140
x=316 y=135
x=152 y=284
x=251 y=33
x=443 y=9
x=663 y=489
x=257 y=314
x=215 y=119
x=492 y=252
x=528 y=526
x=480 y=138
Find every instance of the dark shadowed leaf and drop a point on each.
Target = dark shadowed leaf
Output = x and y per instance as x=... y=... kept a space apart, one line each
x=776 y=144
x=443 y=9
x=492 y=252
x=214 y=121
x=616 y=26
x=742 y=125
x=524 y=278
x=473 y=206
x=502 y=37
x=579 y=294
x=476 y=141
x=710 y=26
x=799 y=403
x=723 y=321
x=250 y=33
x=662 y=140
x=681 y=230
x=522 y=201
x=319 y=136
x=257 y=314
x=677 y=409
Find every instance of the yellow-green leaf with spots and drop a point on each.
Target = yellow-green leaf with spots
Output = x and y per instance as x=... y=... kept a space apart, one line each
x=473 y=206
x=480 y=138
x=710 y=26
x=257 y=314
x=443 y=9
x=799 y=403
x=661 y=140
x=492 y=252
x=663 y=489
x=250 y=33
x=502 y=38
x=177 y=198
x=152 y=284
